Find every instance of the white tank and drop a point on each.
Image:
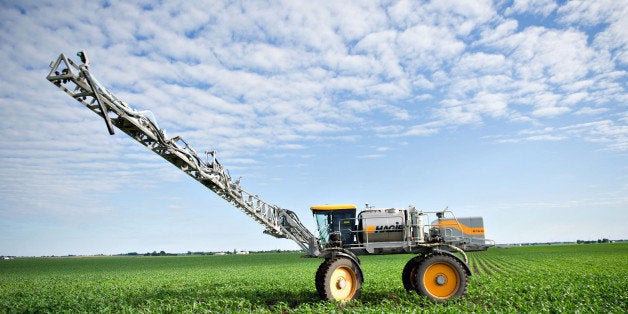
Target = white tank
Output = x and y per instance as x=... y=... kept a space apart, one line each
x=381 y=225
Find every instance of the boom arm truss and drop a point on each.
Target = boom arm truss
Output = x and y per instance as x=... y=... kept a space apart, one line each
x=78 y=82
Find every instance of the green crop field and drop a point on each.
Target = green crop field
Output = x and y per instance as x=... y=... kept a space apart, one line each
x=556 y=278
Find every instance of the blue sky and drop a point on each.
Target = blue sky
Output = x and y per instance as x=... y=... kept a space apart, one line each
x=512 y=110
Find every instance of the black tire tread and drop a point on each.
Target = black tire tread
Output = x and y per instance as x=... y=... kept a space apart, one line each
x=407 y=275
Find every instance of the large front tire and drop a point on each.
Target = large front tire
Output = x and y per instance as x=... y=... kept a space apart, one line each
x=338 y=279
x=440 y=278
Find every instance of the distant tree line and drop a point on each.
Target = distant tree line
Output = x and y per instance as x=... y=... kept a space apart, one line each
x=164 y=253
x=593 y=241
x=154 y=253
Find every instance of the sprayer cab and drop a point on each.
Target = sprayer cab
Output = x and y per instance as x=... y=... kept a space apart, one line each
x=336 y=223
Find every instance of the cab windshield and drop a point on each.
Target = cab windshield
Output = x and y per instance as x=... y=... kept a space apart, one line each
x=323 y=220
x=335 y=221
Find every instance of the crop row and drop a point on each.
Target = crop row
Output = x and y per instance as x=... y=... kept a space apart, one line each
x=552 y=278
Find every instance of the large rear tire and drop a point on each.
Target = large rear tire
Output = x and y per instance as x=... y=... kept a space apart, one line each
x=440 y=278
x=338 y=279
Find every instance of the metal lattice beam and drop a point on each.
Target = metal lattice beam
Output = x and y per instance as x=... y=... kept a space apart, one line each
x=77 y=81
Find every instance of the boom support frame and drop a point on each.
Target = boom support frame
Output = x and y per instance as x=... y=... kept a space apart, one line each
x=77 y=81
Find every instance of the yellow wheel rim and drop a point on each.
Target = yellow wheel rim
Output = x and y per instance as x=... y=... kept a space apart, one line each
x=343 y=283
x=441 y=280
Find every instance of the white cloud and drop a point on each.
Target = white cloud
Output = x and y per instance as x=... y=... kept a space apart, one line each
x=457 y=113
x=423 y=129
x=481 y=63
x=591 y=111
x=574 y=98
x=589 y=12
x=426 y=47
x=605 y=131
x=545 y=137
x=536 y=7
x=549 y=111
x=542 y=54
x=371 y=156
x=614 y=38
x=613 y=134
x=460 y=18
x=388 y=129
x=546 y=104
x=493 y=105
x=504 y=29
x=351 y=26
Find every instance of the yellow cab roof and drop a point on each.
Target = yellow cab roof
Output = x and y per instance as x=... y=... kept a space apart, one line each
x=333 y=207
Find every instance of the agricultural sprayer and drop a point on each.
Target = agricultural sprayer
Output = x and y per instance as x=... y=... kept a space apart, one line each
x=437 y=239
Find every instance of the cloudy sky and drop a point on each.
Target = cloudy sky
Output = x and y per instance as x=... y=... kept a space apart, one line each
x=516 y=111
